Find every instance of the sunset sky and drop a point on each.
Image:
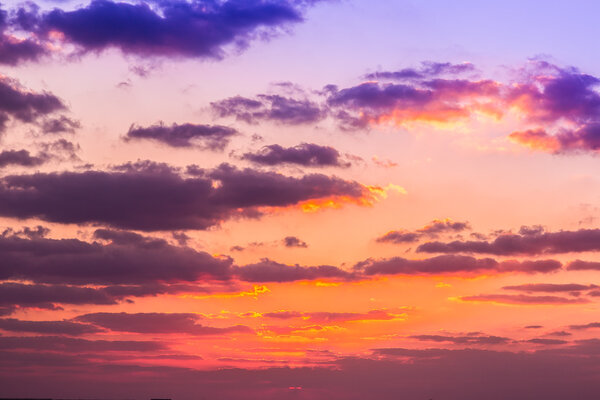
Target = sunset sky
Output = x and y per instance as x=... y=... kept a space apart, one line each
x=300 y=199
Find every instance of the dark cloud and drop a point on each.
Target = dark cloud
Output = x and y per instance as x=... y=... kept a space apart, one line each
x=452 y=264
x=476 y=339
x=305 y=154
x=559 y=333
x=580 y=265
x=293 y=241
x=60 y=124
x=276 y=108
x=14 y=50
x=194 y=29
x=558 y=373
x=127 y=258
x=548 y=342
x=210 y=137
x=433 y=229
x=24 y=105
x=530 y=243
x=524 y=299
x=47 y=296
x=167 y=323
x=162 y=200
x=47 y=327
x=399 y=237
x=585 y=326
x=22 y=158
x=551 y=287
x=61 y=149
x=270 y=271
x=73 y=345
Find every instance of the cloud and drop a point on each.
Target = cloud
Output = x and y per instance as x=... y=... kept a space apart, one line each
x=76 y=345
x=548 y=342
x=305 y=154
x=15 y=50
x=24 y=105
x=47 y=327
x=431 y=101
x=161 y=323
x=560 y=106
x=524 y=299
x=477 y=339
x=126 y=259
x=47 y=296
x=162 y=200
x=551 y=287
x=22 y=158
x=585 y=326
x=523 y=244
x=452 y=264
x=210 y=137
x=433 y=229
x=428 y=69
x=551 y=374
x=293 y=241
x=270 y=271
x=175 y=29
x=556 y=94
x=60 y=124
x=580 y=265
x=276 y=108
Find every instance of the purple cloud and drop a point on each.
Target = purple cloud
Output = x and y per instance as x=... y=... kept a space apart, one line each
x=452 y=264
x=293 y=241
x=585 y=326
x=547 y=342
x=477 y=339
x=305 y=154
x=580 y=265
x=22 y=158
x=276 y=108
x=427 y=70
x=120 y=261
x=550 y=374
x=551 y=287
x=13 y=50
x=524 y=299
x=162 y=323
x=161 y=200
x=433 y=229
x=47 y=327
x=523 y=244
x=195 y=29
x=210 y=137
x=270 y=271
x=47 y=296
x=60 y=124
x=23 y=105
x=75 y=345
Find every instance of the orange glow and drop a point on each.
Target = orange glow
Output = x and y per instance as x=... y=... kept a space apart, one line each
x=371 y=195
x=536 y=140
x=254 y=293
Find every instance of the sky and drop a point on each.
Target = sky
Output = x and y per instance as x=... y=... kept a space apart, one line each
x=299 y=199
